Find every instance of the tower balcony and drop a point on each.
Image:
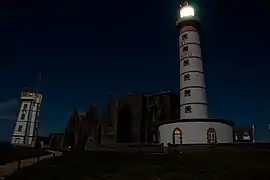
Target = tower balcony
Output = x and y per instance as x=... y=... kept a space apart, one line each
x=30 y=96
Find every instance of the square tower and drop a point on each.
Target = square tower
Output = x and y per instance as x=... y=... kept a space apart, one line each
x=25 y=131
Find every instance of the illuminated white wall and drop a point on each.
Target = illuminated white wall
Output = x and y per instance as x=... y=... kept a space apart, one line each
x=191 y=65
x=195 y=132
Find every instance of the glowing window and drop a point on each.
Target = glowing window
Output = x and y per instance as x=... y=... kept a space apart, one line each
x=177 y=132
x=177 y=136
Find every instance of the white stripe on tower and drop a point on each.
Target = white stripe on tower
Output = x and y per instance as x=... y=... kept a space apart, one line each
x=193 y=103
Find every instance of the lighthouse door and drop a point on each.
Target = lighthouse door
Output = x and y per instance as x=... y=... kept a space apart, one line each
x=177 y=136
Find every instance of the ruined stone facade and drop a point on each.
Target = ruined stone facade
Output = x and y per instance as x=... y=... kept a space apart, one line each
x=135 y=115
x=109 y=121
x=129 y=119
x=160 y=107
x=56 y=140
x=82 y=129
x=73 y=135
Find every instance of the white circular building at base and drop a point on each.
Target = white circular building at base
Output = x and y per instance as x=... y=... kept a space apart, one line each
x=196 y=131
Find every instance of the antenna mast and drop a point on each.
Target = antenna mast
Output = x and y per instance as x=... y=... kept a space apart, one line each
x=38 y=86
x=185 y=3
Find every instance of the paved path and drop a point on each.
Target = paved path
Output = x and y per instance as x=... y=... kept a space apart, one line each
x=10 y=168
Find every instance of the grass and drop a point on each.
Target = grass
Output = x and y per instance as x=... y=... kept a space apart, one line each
x=8 y=153
x=193 y=166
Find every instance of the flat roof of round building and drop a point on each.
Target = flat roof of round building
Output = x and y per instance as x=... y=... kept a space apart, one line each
x=223 y=121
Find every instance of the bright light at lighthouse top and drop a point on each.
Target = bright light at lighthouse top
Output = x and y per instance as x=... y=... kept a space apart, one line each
x=187 y=11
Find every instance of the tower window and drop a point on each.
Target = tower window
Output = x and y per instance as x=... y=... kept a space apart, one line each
x=17 y=140
x=25 y=106
x=20 y=128
x=186 y=62
x=187 y=92
x=22 y=116
x=184 y=37
x=185 y=49
x=188 y=109
x=186 y=77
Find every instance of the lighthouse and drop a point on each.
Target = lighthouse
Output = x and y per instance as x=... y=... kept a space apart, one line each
x=193 y=102
x=194 y=125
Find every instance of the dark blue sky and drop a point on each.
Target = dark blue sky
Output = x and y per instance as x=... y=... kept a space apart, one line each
x=86 y=49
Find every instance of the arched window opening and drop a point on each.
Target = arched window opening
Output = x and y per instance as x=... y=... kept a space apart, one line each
x=211 y=136
x=177 y=136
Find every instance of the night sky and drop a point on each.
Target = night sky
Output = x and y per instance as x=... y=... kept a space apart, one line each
x=86 y=49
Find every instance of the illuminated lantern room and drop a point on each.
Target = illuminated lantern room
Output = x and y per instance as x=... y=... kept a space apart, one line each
x=187 y=11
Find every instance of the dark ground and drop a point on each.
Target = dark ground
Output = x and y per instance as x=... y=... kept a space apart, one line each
x=9 y=153
x=192 y=166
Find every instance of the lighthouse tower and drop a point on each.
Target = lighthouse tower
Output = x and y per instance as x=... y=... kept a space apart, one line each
x=194 y=126
x=193 y=102
x=25 y=131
